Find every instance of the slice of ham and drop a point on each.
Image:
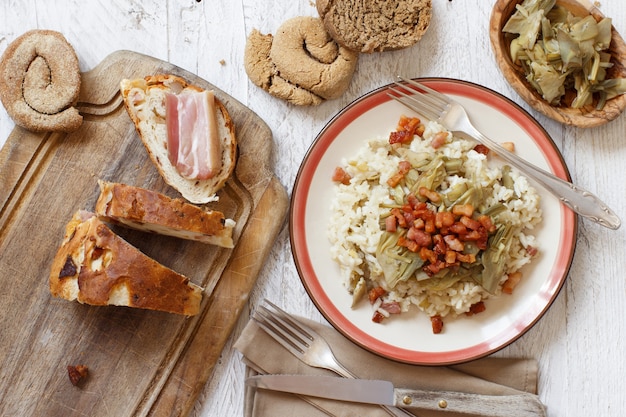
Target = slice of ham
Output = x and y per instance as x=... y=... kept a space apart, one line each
x=193 y=143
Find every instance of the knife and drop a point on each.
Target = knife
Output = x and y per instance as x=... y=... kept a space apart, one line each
x=384 y=393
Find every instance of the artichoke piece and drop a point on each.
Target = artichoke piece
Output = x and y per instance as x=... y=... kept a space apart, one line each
x=555 y=49
x=443 y=280
x=607 y=89
x=518 y=53
x=549 y=81
x=432 y=176
x=398 y=263
x=447 y=278
x=416 y=159
x=454 y=193
x=397 y=193
x=494 y=258
x=612 y=87
x=507 y=179
x=360 y=289
x=571 y=56
x=453 y=165
x=493 y=211
x=583 y=91
x=410 y=178
x=473 y=195
x=547 y=33
x=558 y=15
x=526 y=21
x=603 y=39
x=584 y=29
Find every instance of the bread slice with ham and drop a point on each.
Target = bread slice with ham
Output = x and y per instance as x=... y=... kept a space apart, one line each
x=150 y=211
x=95 y=266
x=187 y=132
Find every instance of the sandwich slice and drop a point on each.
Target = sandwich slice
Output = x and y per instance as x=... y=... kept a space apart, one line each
x=154 y=212
x=95 y=266
x=187 y=132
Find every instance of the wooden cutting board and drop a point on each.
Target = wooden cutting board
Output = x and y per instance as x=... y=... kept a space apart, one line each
x=141 y=363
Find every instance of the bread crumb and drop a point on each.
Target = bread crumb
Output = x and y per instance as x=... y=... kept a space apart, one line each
x=77 y=374
x=222 y=62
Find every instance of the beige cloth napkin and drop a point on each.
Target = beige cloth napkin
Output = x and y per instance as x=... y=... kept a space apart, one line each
x=262 y=354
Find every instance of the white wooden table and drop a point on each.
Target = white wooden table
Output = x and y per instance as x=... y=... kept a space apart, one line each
x=581 y=341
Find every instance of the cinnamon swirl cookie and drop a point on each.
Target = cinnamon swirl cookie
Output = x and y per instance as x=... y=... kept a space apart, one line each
x=40 y=82
x=301 y=63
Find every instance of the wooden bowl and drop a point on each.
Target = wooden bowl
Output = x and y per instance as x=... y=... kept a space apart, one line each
x=587 y=116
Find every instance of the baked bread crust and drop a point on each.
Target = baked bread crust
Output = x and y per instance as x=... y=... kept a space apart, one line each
x=148 y=115
x=154 y=212
x=301 y=63
x=375 y=25
x=40 y=82
x=95 y=266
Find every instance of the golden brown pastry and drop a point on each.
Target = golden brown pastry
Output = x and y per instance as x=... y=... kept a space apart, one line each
x=95 y=266
x=154 y=212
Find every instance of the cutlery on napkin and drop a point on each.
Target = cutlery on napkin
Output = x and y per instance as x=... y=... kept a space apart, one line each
x=262 y=355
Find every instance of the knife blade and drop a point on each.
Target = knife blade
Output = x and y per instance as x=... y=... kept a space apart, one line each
x=381 y=392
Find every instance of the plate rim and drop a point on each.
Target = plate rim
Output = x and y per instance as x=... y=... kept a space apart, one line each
x=568 y=218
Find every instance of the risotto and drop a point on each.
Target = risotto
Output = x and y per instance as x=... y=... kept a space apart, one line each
x=422 y=220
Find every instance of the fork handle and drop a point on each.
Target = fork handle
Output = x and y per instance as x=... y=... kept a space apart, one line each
x=578 y=199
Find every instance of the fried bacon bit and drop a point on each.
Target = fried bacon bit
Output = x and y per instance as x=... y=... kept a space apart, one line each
x=403 y=168
x=511 y=282
x=444 y=219
x=437 y=324
x=439 y=237
x=480 y=148
x=463 y=210
x=406 y=130
x=408 y=124
x=392 y=307
x=77 y=373
x=375 y=293
x=385 y=309
x=531 y=250
x=400 y=137
x=341 y=176
x=429 y=194
x=479 y=307
x=391 y=224
x=397 y=213
x=69 y=269
x=487 y=223
x=378 y=317
x=439 y=140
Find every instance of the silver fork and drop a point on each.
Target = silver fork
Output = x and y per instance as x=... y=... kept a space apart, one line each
x=441 y=108
x=305 y=343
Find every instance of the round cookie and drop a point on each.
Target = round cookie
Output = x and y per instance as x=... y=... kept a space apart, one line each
x=375 y=25
x=40 y=82
x=301 y=64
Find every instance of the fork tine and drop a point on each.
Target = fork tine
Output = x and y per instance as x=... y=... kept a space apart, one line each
x=280 y=333
x=426 y=98
x=433 y=95
x=301 y=328
x=412 y=103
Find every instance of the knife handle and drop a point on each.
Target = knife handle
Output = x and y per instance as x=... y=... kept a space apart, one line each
x=519 y=405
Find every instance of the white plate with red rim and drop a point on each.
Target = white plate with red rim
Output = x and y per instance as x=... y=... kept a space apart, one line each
x=408 y=337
